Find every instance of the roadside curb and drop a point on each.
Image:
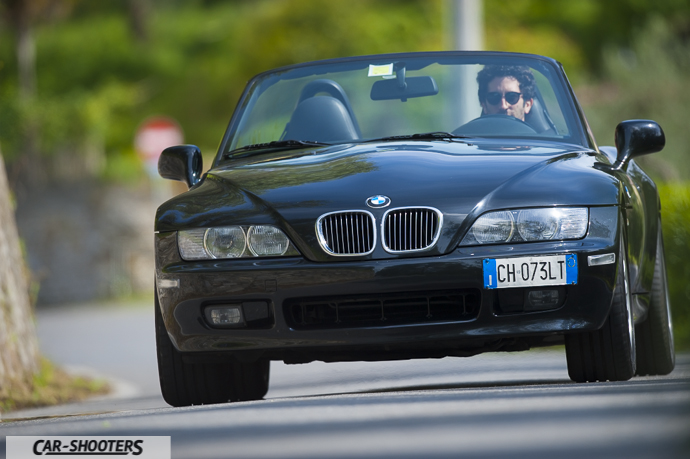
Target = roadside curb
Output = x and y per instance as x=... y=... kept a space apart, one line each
x=119 y=390
x=119 y=387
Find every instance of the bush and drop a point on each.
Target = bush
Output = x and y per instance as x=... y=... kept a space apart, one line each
x=647 y=81
x=675 y=219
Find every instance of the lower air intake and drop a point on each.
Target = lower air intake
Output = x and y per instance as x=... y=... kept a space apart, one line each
x=383 y=310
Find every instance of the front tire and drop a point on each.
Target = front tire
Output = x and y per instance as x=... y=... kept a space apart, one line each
x=655 y=350
x=607 y=354
x=186 y=382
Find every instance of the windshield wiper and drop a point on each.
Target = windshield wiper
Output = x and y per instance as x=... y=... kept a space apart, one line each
x=437 y=135
x=248 y=150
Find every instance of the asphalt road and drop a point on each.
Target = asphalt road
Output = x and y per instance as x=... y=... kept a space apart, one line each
x=494 y=405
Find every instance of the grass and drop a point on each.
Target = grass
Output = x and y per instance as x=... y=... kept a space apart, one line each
x=51 y=386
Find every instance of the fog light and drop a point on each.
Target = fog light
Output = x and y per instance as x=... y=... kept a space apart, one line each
x=538 y=300
x=224 y=315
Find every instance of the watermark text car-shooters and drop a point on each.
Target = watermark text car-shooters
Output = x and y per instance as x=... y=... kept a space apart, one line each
x=22 y=447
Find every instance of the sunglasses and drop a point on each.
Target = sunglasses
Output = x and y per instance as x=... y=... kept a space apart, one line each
x=494 y=98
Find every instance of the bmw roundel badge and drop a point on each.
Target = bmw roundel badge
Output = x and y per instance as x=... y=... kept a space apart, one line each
x=378 y=201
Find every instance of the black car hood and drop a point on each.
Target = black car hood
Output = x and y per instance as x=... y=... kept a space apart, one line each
x=292 y=189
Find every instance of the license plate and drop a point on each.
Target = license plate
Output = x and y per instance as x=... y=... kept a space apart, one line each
x=530 y=271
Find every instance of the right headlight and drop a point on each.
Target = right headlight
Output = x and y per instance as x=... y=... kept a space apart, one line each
x=234 y=242
x=528 y=225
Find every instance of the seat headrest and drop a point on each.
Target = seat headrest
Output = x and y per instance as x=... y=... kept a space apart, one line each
x=537 y=118
x=322 y=119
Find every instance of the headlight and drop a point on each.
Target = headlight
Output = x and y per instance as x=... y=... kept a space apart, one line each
x=266 y=241
x=225 y=242
x=234 y=242
x=529 y=225
x=494 y=227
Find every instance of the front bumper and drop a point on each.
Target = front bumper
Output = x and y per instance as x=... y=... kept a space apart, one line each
x=184 y=289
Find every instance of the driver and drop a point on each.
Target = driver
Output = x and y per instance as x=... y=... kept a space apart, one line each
x=506 y=90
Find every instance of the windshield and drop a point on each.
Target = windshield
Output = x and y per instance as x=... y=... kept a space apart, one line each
x=361 y=100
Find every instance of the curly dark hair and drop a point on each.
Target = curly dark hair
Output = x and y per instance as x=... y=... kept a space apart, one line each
x=521 y=73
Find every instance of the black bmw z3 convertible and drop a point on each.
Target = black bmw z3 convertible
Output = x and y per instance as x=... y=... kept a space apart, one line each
x=406 y=206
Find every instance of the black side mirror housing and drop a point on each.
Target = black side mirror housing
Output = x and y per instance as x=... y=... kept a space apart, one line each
x=636 y=138
x=181 y=162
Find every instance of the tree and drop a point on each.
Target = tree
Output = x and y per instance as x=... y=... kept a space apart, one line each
x=19 y=359
x=577 y=32
x=20 y=17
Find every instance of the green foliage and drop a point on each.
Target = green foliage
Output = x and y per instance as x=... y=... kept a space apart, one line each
x=675 y=218
x=576 y=32
x=125 y=167
x=97 y=83
x=648 y=81
x=531 y=26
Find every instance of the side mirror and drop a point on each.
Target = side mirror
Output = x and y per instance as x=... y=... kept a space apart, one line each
x=636 y=138
x=181 y=162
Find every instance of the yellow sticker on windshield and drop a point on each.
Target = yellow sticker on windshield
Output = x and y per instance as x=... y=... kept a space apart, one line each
x=380 y=70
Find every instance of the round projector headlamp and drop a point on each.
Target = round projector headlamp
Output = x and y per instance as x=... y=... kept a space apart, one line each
x=225 y=242
x=538 y=224
x=267 y=241
x=494 y=227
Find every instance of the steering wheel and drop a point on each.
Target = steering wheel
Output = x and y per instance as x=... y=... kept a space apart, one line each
x=495 y=125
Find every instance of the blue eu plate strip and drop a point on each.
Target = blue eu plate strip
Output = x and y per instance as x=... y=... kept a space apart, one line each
x=571 y=269
x=489 y=266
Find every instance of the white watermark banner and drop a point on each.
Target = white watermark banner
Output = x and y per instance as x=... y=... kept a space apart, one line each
x=87 y=447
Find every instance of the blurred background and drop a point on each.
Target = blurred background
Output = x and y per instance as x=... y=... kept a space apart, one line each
x=80 y=78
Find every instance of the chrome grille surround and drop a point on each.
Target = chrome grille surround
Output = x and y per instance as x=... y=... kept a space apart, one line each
x=347 y=233
x=411 y=229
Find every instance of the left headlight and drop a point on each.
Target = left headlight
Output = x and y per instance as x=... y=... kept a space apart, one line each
x=234 y=242
x=528 y=225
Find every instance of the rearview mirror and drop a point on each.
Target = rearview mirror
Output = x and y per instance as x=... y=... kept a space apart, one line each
x=419 y=86
x=636 y=138
x=181 y=162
